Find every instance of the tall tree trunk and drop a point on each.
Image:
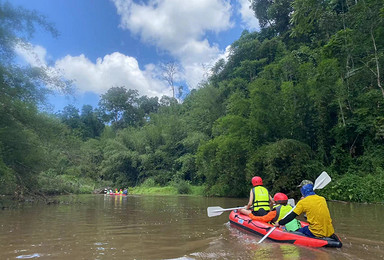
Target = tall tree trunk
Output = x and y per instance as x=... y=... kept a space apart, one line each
x=377 y=63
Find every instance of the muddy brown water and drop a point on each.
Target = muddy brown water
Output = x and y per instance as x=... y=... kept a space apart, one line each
x=169 y=227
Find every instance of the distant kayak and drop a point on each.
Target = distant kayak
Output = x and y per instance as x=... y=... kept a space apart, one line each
x=115 y=194
x=280 y=235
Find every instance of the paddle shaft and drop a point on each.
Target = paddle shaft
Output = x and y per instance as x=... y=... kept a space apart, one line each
x=228 y=209
x=217 y=211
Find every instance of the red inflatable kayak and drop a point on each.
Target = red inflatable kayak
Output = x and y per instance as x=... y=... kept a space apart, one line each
x=280 y=235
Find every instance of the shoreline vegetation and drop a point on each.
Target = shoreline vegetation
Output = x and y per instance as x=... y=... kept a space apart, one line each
x=16 y=200
x=12 y=201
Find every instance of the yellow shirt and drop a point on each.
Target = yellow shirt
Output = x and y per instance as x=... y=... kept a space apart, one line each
x=318 y=217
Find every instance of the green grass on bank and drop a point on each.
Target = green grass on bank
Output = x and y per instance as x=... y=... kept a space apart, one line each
x=174 y=188
x=167 y=190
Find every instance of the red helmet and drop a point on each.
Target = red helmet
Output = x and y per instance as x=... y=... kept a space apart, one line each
x=280 y=198
x=256 y=181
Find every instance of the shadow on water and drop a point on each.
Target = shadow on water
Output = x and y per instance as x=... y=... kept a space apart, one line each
x=168 y=227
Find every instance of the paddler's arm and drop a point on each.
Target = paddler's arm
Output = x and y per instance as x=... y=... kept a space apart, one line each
x=250 y=202
x=287 y=219
x=271 y=201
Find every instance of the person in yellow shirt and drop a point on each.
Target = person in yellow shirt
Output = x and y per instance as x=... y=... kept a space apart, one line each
x=316 y=209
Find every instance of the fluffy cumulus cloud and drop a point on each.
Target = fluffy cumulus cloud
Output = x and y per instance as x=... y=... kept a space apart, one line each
x=248 y=16
x=171 y=24
x=115 y=69
x=180 y=28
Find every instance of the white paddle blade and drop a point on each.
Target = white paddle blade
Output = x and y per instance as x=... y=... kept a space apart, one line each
x=322 y=181
x=291 y=202
x=214 y=211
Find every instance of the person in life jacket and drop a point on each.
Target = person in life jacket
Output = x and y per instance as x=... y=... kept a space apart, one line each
x=116 y=191
x=316 y=209
x=259 y=199
x=121 y=191
x=278 y=212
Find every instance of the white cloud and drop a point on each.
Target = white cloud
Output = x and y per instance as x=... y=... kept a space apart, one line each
x=173 y=23
x=35 y=55
x=248 y=16
x=180 y=28
x=115 y=69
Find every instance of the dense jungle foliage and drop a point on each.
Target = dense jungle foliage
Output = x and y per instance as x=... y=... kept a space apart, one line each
x=302 y=95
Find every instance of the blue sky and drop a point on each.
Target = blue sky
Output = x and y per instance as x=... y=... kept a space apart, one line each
x=106 y=43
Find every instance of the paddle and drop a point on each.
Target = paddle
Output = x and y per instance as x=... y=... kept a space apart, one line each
x=320 y=183
x=291 y=202
x=216 y=211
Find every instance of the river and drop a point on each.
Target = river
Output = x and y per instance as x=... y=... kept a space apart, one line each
x=168 y=227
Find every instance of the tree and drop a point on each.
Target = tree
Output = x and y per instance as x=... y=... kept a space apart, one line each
x=202 y=108
x=70 y=116
x=221 y=163
x=147 y=106
x=369 y=21
x=92 y=123
x=170 y=71
x=316 y=20
x=18 y=25
x=283 y=164
x=25 y=133
x=273 y=14
x=120 y=106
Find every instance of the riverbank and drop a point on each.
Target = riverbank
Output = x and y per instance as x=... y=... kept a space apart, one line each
x=12 y=201
x=167 y=190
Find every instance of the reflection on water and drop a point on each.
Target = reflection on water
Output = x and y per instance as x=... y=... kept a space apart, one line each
x=168 y=227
